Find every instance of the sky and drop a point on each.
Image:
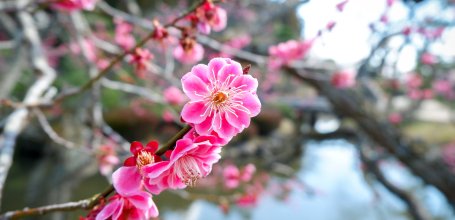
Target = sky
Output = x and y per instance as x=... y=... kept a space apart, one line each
x=350 y=40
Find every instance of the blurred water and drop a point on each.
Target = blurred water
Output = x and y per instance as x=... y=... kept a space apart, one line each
x=333 y=170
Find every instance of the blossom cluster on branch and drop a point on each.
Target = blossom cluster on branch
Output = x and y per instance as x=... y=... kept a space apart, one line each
x=222 y=101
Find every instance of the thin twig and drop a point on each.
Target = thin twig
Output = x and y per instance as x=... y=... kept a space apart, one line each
x=50 y=132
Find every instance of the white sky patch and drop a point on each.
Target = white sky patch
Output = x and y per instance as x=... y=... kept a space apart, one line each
x=350 y=40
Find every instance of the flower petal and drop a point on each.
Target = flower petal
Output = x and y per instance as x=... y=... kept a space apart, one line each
x=239 y=119
x=194 y=87
x=229 y=72
x=202 y=72
x=252 y=103
x=222 y=127
x=112 y=208
x=153 y=187
x=204 y=127
x=215 y=65
x=245 y=82
x=193 y=112
x=126 y=180
x=141 y=200
x=155 y=170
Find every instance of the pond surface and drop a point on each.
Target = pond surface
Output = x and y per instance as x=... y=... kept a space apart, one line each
x=335 y=188
x=333 y=171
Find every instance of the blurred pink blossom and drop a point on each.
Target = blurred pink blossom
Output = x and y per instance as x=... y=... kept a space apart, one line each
x=123 y=36
x=414 y=81
x=247 y=172
x=210 y=16
x=189 y=52
x=73 y=5
x=231 y=176
x=140 y=59
x=107 y=159
x=285 y=53
x=428 y=59
x=340 y=6
x=173 y=95
x=395 y=118
x=343 y=79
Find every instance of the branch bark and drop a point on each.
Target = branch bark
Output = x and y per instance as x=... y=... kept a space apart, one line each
x=351 y=105
x=16 y=122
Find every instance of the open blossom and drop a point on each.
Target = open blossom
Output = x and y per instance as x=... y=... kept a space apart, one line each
x=73 y=5
x=188 y=51
x=130 y=178
x=210 y=16
x=173 y=95
x=188 y=162
x=343 y=79
x=138 y=206
x=285 y=53
x=222 y=98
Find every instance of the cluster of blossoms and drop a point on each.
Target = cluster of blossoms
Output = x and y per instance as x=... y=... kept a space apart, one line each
x=222 y=100
x=414 y=84
x=206 y=17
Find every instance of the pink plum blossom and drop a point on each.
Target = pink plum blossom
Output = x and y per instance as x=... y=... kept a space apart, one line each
x=330 y=25
x=285 y=53
x=173 y=95
x=414 y=80
x=168 y=116
x=107 y=159
x=247 y=172
x=222 y=98
x=131 y=177
x=137 y=206
x=89 y=49
x=189 y=52
x=414 y=94
x=210 y=16
x=444 y=87
x=395 y=118
x=188 y=162
x=231 y=176
x=407 y=31
x=74 y=5
x=343 y=79
x=340 y=6
x=140 y=59
x=390 y=3
x=428 y=59
x=123 y=36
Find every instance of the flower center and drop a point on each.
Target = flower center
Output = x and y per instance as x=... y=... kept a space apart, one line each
x=219 y=97
x=144 y=158
x=187 y=170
